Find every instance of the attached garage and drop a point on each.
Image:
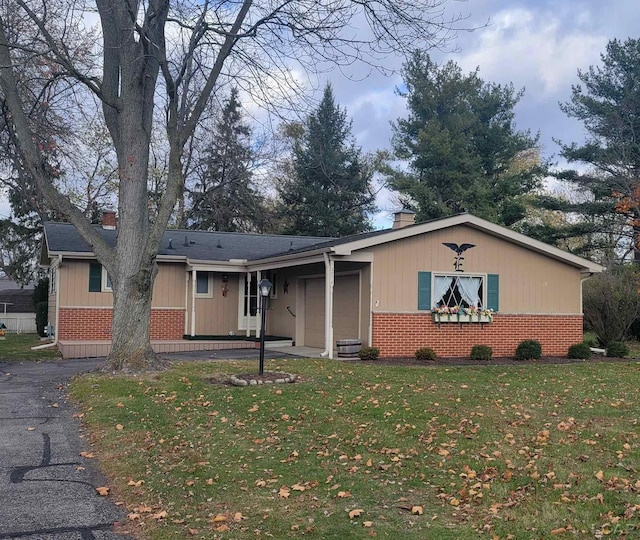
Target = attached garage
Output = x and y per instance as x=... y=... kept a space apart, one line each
x=346 y=309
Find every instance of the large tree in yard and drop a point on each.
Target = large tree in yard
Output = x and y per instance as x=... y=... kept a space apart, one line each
x=177 y=55
x=328 y=191
x=608 y=105
x=460 y=145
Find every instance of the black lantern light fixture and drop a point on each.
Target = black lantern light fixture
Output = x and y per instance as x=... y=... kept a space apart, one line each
x=265 y=290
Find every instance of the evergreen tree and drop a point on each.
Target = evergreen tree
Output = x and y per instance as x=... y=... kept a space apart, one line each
x=328 y=192
x=224 y=198
x=608 y=104
x=460 y=143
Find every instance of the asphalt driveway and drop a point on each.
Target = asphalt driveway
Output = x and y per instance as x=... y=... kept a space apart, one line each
x=47 y=490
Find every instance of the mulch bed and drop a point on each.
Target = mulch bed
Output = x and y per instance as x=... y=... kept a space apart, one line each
x=504 y=361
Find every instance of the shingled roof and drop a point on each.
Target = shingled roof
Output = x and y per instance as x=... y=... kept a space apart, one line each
x=17 y=300
x=195 y=245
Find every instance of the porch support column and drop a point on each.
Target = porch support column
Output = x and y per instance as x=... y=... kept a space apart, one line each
x=193 y=302
x=247 y=306
x=258 y=303
x=328 y=305
x=186 y=303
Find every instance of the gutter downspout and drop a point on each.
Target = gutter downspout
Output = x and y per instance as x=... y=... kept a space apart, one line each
x=582 y=280
x=328 y=306
x=57 y=327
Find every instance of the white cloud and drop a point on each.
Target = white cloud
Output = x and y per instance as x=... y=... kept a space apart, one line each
x=535 y=49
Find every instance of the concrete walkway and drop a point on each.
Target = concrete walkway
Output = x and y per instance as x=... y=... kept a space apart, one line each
x=47 y=490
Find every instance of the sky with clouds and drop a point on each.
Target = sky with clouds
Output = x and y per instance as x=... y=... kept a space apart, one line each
x=537 y=44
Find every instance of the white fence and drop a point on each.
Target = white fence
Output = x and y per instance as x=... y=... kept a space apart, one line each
x=19 y=323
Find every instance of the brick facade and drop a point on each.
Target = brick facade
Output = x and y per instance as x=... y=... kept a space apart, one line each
x=400 y=334
x=88 y=324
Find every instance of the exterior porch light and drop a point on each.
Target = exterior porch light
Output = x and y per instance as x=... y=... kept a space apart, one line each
x=265 y=290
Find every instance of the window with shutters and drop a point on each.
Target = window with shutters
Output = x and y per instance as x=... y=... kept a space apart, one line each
x=458 y=294
x=458 y=290
x=99 y=280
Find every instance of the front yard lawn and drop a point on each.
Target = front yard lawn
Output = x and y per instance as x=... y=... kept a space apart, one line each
x=360 y=451
x=17 y=347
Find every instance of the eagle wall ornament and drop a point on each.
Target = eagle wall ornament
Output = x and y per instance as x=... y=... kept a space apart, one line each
x=459 y=250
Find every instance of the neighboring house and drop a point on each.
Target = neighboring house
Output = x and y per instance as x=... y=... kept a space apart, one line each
x=379 y=287
x=16 y=310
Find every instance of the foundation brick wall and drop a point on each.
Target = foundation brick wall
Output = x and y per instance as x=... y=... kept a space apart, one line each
x=78 y=324
x=400 y=334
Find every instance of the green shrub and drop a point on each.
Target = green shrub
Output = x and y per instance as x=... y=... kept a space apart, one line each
x=42 y=318
x=529 y=349
x=617 y=349
x=579 y=351
x=423 y=354
x=481 y=352
x=369 y=353
x=591 y=340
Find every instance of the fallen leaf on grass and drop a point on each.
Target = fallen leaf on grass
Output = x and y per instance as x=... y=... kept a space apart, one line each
x=88 y=455
x=119 y=427
x=133 y=516
x=454 y=502
x=356 y=512
x=284 y=492
x=160 y=515
x=219 y=518
x=367 y=523
x=298 y=487
x=418 y=510
x=344 y=494
x=134 y=483
x=222 y=528
x=599 y=475
x=237 y=517
x=103 y=491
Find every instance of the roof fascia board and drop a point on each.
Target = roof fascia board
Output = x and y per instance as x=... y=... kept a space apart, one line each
x=295 y=256
x=284 y=263
x=477 y=223
x=204 y=266
x=362 y=256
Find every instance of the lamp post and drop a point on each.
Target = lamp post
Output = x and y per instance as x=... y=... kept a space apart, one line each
x=265 y=290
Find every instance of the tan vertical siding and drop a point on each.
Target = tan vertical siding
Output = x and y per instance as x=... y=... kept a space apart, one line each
x=280 y=321
x=529 y=282
x=217 y=315
x=168 y=289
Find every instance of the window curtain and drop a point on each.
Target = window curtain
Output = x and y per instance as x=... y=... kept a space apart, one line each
x=441 y=285
x=469 y=288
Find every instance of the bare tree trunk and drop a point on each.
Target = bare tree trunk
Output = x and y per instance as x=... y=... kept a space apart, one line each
x=131 y=349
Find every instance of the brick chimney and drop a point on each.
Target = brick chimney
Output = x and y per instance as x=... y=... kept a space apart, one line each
x=109 y=219
x=403 y=218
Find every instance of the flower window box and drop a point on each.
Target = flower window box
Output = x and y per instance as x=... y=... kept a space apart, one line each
x=462 y=316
